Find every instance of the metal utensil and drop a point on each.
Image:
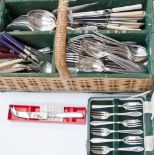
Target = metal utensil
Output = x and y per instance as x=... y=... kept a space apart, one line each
x=109 y=25
x=131 y=140
x=77 y=8
x=19 y=27
x=105 y=131
x=106 y=149
x=127 y=106
x=21 y=24
x=126 y=123
x=104 y=12
x=95 y=50
x=27 y=53
x=98 y=46
x=17 y=68
x=42 y=20
x=45 y=115
x=106 y=115
x=19 y=45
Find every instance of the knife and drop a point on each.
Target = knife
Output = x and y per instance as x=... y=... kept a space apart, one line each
x=106 y=11
x=45 y=115
x=77 y=8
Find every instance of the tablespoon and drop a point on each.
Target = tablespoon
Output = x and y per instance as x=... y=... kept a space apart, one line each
x=42 y=20
x=139 y=53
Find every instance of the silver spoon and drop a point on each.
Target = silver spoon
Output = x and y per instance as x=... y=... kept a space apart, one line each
x=42 y=20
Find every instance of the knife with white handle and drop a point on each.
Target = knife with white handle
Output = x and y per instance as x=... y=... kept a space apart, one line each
x=106 y=11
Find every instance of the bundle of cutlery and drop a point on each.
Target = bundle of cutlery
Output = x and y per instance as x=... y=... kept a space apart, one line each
x=116 y=121
x=96 y=52
x=15 y=56
x=119 y=18
x=129 y=17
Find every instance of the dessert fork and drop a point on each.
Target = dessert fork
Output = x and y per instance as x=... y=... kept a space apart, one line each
x=126 y=123
x=106 y=115
x=106 y=149
x=127 y=106
x=105 y=131
x=131 y=140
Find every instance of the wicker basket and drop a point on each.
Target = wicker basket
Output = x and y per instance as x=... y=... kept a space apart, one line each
x=80 y=82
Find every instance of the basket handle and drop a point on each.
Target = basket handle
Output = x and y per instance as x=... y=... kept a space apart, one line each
x=60 y=39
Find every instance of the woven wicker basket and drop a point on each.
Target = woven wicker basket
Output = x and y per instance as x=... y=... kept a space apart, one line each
x=67 y=82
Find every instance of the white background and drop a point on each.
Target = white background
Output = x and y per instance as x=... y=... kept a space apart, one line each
x=24 y=138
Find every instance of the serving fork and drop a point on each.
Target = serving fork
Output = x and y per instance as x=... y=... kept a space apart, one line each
x=105 y=131
x=126 y=123
x=127 y=106
x=106 y=149
x=131 y=140
x=106 y=115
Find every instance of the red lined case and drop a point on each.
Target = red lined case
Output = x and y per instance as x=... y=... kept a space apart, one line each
x=30 y=108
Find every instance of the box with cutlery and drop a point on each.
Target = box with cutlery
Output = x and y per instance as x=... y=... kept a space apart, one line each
x=47 y=114
x=117 y=126
x=101 y=46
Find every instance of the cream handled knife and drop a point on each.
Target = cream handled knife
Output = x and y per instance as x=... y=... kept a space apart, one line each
x=106 y=11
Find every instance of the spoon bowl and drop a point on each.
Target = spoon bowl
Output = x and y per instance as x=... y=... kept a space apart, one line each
x=42 y=20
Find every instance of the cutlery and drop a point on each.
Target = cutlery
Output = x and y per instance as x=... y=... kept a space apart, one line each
x=127 y=106
x=106 y=149
x=130 y=140
x=41 y=20
x=106 y=11
x=106 y=115
x=105 y=131
x=19 y=45
x=10 y=63
x=77 y=8
x=45 y=115
x=127 y=123
x=101 y=48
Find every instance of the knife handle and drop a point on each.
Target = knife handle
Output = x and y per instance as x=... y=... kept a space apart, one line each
x=115 y=27
x=138 y=14
x=9 y=63
x=9 y=55
x=11 y=39
x=127 y=8
x=130 y=26
x=10 y=46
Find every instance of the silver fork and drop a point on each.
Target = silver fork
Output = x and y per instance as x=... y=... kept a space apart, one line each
x=106 y=149
x=131 y=140
x=126 y=123
x=127 y=106
x=105 y=131
x=106 y=115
